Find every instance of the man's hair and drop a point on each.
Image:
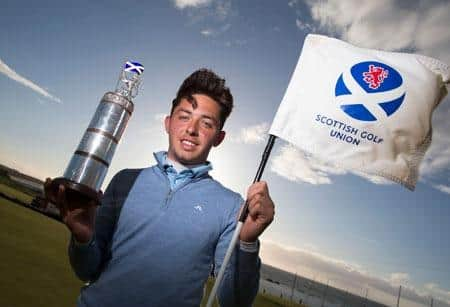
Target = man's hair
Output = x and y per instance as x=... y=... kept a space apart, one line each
x=206 y=82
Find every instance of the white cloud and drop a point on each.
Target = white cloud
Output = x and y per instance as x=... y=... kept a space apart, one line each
x=252 y=135
x=372 y=24
x=436 y=291
x=373 y=178
x=388 y=25
x=397 y=279
x=223 y=9
x=207 y=32
x=433 y=35
x=438 y=155
x=351 y=276
x=214 y=15
x=182 y=4
x=443 y=188
x=155 y=127
x=293 y=3
x=7 y=71
x=420 y=26
x=216 y=11
x=159 y=117
x=304 y=26
x=293 y=165
x=210 y=32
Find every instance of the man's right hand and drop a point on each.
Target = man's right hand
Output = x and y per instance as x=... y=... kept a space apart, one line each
x=79 y=217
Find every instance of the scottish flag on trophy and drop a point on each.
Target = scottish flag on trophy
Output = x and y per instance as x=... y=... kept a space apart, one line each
x=134 y=67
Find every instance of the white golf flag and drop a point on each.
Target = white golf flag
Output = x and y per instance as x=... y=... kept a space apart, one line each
x=362 y=109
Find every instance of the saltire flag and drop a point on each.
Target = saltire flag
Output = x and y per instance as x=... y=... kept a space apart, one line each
x=134 y=67
x=362 y=109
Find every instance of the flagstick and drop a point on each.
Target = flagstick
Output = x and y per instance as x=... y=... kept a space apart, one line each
x=242 y=217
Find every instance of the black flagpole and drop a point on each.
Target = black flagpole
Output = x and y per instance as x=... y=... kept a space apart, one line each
x=260 y=171
x=242 y=218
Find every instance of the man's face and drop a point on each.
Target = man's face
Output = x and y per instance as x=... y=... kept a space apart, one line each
x=192 y=132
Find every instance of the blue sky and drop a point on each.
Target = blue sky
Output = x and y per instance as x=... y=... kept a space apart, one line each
x=57 y=60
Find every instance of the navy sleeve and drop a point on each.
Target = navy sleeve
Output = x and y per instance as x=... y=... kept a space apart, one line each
x=87 y=259
x=241 y=279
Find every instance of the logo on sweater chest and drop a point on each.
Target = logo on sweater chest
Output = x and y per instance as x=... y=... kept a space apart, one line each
x=198 y=208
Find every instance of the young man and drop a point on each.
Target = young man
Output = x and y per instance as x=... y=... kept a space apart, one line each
x=155 y=243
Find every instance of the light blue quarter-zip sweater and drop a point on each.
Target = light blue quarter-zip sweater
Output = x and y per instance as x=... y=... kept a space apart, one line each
x=159 y=247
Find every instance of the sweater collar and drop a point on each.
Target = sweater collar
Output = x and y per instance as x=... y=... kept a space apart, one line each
x=167 y=165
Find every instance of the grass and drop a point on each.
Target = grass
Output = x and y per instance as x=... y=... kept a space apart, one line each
x=5 y=180
x=33 y=260
x=12 y=192
x=34 y=264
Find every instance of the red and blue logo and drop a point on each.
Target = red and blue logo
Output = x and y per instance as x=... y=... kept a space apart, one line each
x=370 y=90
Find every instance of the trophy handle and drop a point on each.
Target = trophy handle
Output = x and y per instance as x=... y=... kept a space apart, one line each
x=76 y=193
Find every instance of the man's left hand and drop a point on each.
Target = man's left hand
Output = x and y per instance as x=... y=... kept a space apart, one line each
x=261 y=211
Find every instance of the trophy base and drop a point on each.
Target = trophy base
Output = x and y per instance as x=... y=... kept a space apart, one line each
x=77 y=194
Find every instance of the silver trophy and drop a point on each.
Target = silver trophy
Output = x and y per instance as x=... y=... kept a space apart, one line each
x=87 y=169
